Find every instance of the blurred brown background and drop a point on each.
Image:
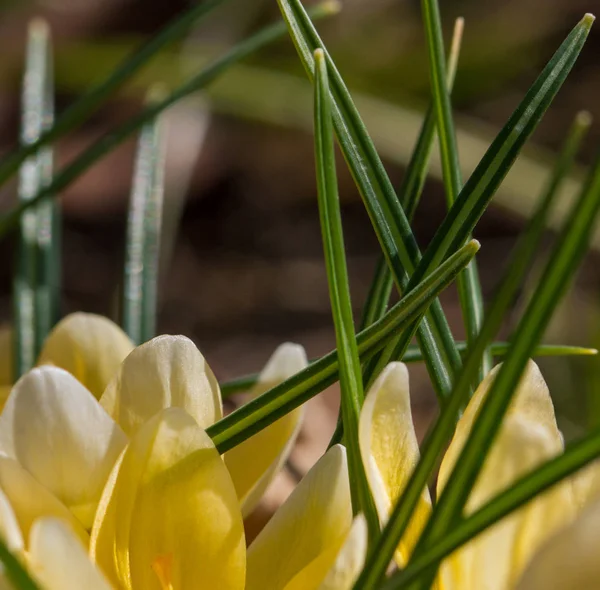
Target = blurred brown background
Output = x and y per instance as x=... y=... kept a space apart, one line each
x=243 y=267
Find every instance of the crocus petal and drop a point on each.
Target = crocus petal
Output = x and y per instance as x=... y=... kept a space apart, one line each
x=59 y=561
x=569 y=559
x=531 y=400
x=55 y=428
x=390 y=450
x=308 y=530
x=89 y=346
x=169 y=516
x=30 y=500
x=167 y=371
x=495 y=559
x=10 y=531
x=346 y=567
x=254 y=463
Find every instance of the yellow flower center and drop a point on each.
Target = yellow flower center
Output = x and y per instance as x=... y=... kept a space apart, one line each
x=162 y=566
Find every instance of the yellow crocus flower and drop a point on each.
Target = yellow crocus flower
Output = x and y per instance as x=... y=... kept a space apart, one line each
x=88 y=346
x=169 y=516
x=528 y=437
x=255 y=462
x=56 y=430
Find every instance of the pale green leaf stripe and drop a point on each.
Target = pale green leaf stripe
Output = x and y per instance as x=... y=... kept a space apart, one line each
x=278 y=401
x=143 y=235
x=87 y=104
x=350 y=376
x=437 y=438
x=469 y=287
x=414 y=355
x=387 y=217
x=576 y=456
x=559 y=271
x=113 y=138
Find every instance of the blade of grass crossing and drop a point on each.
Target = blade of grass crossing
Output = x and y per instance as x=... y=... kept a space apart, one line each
x=482 y=184
x=437 y=438
x=469 y=287
x=414 y=355
x=352 y=394
x=410 y=195
x=411 y=189
x=87 y=104
x=113 y=138
x=387 y=217
x=489 y=173
x=553 y=284
x=265 y=409
x=575 y=457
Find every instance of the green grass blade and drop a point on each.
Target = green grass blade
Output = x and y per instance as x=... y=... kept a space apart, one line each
x=575 y=457
x=469 y=287
x=482 y=184
x=410 y=193
x=91 y=100
x=350 y=374
x=34 y=281
x=411 y=189
x=113 y=138
x=143 y=235
x=414 y=355
x=559 y=271
x=387 y=217
x=278 y=401
x=437 y=438
x=14 y=571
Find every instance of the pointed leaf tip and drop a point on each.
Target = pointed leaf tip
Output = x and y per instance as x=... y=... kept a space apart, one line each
x=588 y=19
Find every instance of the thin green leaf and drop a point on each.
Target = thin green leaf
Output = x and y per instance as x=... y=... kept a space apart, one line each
x=113 y=138
x=15 y=572
x=278 y=401
x=387 y=217
x=483 y=183
x=469 y=287
x=350 y=375
x=35 y=280
x=414 y=355
x=536 y=482
x=93 y=98
x=143 y=234
x=411 y=188
x=410 y=196
x=437 y=438
x=558 y=273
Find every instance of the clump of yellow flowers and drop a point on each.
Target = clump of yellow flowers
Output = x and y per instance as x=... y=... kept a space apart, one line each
x=109 y=480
